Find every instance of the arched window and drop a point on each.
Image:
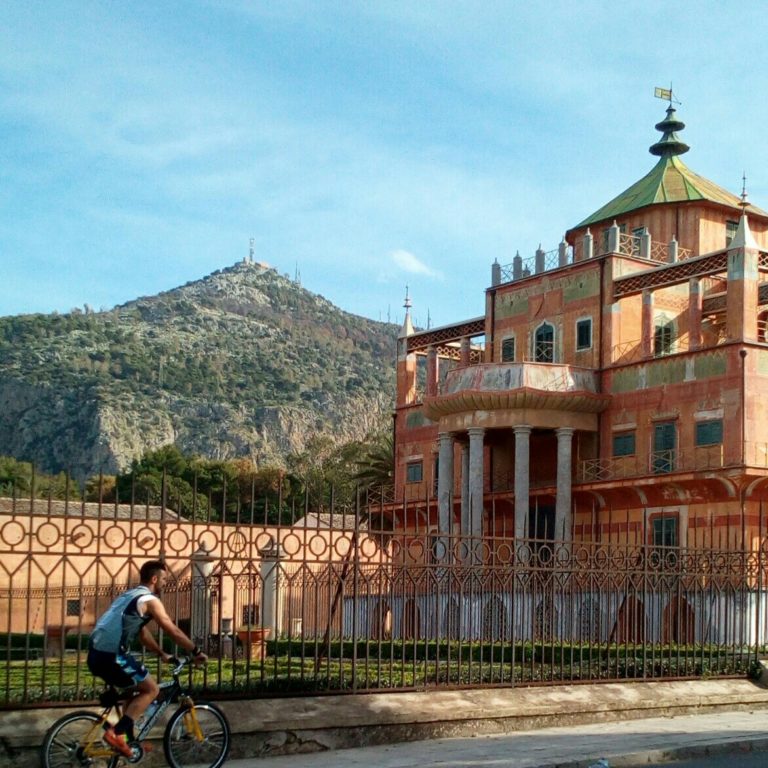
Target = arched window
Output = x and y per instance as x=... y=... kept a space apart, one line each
x=544 y=344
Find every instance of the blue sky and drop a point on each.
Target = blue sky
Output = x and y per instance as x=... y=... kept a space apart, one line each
x=371 y=144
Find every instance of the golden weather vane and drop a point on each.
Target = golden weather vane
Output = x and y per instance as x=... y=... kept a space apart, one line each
x=665 y=93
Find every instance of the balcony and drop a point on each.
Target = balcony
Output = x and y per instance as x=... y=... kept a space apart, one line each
x=500 y=386
x=659 y=463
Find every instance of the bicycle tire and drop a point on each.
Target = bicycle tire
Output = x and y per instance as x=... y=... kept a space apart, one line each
x=62 y=745
x=183 y=750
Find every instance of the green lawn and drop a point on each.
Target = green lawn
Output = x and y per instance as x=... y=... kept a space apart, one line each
x=386 y=666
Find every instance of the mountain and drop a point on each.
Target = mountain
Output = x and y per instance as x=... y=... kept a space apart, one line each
x=244 y=362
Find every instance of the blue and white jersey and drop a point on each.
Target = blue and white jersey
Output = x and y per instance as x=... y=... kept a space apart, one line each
x=119 y=626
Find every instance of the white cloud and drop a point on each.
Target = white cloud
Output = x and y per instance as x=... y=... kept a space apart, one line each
x=412 y=264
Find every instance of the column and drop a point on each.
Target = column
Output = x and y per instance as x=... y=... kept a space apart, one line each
x=741 y=297
x=271 y=592
x=431 y=371
x=563 y=521
x=694 y=312
x=522 y=478
x=465 y=527
x=445 y=482
x=476 y=481
x=647 y=332
x=202 y=602
x=465 y=351
x=476 y=492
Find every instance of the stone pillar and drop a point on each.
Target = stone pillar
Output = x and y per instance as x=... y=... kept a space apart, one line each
x=647 y=330
x=476 y=492
x=202 y=603
x=522 y=478
x=563 y=521
x=562 y=254
x=445 y=482
x=271 y=590
x=517 y=266
x=588 y=244
x=741 y=297
x=476 y=478
x=432 y=372
x=645 y=245
x=465 y=351
x=540 y=262
x=495 y=272
x=465 y=522
x=672 y=252
x=694 y=312
x=614 y=240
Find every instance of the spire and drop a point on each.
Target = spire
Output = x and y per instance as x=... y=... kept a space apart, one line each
x=669 y=144
x=744 y=200
x=407 y=328
x=743 y=237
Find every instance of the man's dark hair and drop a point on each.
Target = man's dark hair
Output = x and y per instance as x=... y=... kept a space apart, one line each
x=149 y=569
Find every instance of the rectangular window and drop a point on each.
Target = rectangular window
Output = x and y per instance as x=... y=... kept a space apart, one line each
x=665 y=532
x=624 y=444
x=414 y=472
x=730 y=231
x=584 y=333
x=508 y=350
x=662 y=339
x=637 y=233
x=73 y=607
x=709 y=432
x=664 y=447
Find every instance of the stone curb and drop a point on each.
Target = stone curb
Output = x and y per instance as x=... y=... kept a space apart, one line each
x=267 y=727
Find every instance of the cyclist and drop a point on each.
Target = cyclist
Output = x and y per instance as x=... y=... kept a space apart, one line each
x=108 y=648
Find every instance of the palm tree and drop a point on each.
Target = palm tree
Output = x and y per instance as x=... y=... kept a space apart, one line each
x=377 y=466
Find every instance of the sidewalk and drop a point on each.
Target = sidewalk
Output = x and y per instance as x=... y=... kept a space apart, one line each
x=624 y=744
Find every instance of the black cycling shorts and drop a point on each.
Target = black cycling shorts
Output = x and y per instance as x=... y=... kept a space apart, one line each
x=119 y=669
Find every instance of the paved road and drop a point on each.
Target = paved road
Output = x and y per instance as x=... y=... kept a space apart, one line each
x=624 y=744
x=730 y=760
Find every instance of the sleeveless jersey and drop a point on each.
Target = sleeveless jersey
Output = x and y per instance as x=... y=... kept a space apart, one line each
x=118 y=627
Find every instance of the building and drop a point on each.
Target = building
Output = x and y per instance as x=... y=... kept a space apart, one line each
x=614 y=388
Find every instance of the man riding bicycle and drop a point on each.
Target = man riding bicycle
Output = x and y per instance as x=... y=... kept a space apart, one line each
x=115 y=631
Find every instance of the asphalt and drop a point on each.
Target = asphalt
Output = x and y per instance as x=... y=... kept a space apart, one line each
x=623 y=744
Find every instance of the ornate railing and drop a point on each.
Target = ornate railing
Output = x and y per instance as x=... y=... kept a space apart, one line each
x=657 y=462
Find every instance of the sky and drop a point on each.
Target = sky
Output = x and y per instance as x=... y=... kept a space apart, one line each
x=364 y=145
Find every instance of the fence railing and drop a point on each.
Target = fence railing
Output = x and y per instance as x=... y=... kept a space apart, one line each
x=380 y=601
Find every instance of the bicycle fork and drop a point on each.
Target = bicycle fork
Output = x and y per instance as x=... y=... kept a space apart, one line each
x=191 y=723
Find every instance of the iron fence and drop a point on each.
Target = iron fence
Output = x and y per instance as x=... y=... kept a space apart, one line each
x=371 y=597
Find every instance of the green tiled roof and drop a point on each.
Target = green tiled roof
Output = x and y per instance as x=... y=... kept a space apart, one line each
x=670 y=181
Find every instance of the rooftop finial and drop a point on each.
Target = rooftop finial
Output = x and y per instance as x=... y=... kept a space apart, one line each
x=407 y=328
x=669 y=145
x=744 y=200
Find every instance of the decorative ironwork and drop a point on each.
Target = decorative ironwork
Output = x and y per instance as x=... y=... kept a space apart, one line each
x=376 y=597
x=671 y=274
x=425 y=339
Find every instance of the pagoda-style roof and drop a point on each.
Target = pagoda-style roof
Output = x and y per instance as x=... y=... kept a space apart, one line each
x=669 y=181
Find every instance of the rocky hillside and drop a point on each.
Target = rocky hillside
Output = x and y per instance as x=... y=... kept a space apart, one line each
x=244 y=362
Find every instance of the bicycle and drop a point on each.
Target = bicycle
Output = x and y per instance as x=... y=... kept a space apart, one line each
x=197 y=733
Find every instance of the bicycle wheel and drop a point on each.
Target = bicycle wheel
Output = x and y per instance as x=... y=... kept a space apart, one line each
x=74 y=741
x=185 y=746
